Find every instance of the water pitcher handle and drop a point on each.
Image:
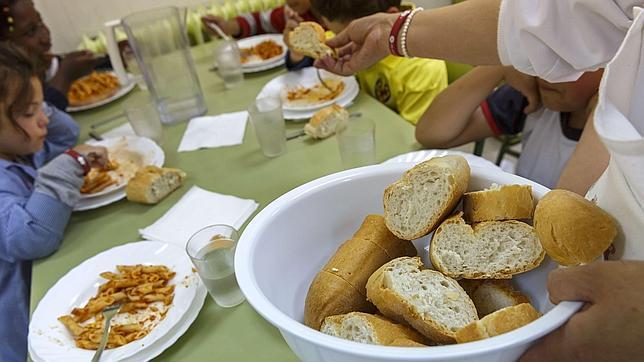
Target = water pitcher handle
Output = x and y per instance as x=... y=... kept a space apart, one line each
x=113 y=51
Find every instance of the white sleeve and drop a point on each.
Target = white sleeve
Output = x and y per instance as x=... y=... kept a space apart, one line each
x=559 y=39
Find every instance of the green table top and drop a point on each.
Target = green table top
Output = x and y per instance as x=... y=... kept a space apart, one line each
x=234 y=334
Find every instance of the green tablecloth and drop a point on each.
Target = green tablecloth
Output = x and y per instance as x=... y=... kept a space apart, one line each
x=236 y=334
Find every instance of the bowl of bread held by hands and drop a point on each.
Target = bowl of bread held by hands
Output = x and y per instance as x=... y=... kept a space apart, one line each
x=396 y=262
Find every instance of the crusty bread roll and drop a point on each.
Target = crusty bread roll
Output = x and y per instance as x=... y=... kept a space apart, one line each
x=491 y=295
x=426 y=194
x=371 y=329
x=309 y=39
x=404 y=342
x=507 y=202
x=432 y=303
x=572 y=229
x=488 y=250
x=499 y=322
x=325 y=121
x=370 y=247
x=151 y=184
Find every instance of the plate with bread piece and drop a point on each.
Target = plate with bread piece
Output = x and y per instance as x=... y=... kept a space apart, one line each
x=95 y=90
x=434 y=261
x=262 y=52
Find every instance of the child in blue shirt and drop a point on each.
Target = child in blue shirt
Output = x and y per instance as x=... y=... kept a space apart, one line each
x=39 y=185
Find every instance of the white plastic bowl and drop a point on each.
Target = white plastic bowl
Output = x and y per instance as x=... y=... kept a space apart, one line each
x=288 y=242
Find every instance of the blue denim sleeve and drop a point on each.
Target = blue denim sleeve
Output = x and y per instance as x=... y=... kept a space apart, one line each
x=31 y=228
x=304 y=63
x=62 y=133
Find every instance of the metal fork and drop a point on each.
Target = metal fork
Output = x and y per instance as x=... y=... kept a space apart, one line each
x=317 y=70
x=108 y=314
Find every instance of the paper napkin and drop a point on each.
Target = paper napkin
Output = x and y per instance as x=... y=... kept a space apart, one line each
x=218 y=131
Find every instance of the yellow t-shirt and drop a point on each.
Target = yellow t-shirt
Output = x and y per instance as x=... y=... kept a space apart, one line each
x=406 y=85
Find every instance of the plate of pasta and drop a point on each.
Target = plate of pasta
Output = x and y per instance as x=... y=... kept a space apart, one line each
x=95 y=90
x=262 y=52
x=153 y=281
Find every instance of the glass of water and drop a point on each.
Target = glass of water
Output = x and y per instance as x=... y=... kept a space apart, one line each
x=357 y=142
x=212 y=251
x=145 y=121
x=268 y=121
x=228 y=59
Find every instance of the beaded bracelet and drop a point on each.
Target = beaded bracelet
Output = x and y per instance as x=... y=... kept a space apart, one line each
x=405 y=30
x=395 y=30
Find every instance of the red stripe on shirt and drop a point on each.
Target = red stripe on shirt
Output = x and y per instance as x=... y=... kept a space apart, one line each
x=244 y=27
x=278 y=19
x=258 y=22
x=490 y=118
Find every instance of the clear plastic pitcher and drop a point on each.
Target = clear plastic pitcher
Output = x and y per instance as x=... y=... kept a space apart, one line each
x=160 y=44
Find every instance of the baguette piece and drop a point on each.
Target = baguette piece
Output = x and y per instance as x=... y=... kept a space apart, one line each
x=426 y=194
x=370 y=329
x=499 y=322
x=309 y=39
x=404 y=342
x=353 y=263
x=492 y=295
x=572 y=229
x=507 y=202
x=432 y=303
x=488 y=250
x=151 y=184
x=325 y=121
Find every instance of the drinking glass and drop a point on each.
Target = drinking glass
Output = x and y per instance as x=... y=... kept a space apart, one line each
x=357 y=142
x=266 y=116
x=212 y=251
x=228 y=60
x=145 y=121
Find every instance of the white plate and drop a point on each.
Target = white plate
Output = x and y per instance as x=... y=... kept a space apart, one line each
x=259 y=65
x=123 y=90
x=345 y=101
x=306 y=77
x=166 y=341
x=49 y=339
x=100 y=201
x=424 y=155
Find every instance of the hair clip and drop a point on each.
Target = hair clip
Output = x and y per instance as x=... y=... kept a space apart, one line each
x=10 y=19
x=11 y=29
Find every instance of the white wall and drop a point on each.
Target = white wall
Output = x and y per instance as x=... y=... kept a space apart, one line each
x=69 y=20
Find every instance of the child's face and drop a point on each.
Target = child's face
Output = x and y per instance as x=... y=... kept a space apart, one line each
x=33 y=121
x=299 y=6
x=30 y=31
x=570 y=96
x=335 y=26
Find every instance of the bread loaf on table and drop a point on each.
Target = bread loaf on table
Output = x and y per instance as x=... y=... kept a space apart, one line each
x=434 y=304
x=508 y=202
x=325 y=121
x=151 y=184
x=487 y=250
x=426 y=194
x=499 y=322
x=340 y=287
x=371 y=329
x=309 y=39
x=572 y=229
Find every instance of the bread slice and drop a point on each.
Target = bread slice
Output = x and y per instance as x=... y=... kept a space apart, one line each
x=432 y=303
x=309 y=39
x=572 y=229
x=325 y=121
x=404 y=342
x=507 y=202
x=488 y=250
x=426 y=194
x=492 y=295
x=151 y=184
x=370 y=329
x=499 y=322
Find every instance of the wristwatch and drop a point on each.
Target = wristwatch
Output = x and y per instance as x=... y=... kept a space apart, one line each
x=82 y=161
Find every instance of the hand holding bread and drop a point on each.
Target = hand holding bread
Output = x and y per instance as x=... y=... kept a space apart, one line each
x=309 y=38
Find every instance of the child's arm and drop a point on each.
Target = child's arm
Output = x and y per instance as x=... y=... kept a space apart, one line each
x=62 y=134
x=455 y=116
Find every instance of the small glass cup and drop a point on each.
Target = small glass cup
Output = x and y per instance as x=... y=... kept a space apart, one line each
x=357 y=142
x=268 y=121
x=228 y=60
x=212 y=251
x=146 y=122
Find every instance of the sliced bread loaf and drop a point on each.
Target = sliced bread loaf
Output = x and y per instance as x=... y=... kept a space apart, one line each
x=492 y=295
x=489 y=250
x=434 y=304
x=426 y=194
x=370 y=329
x=325 y=121
x=151 y=184
x=309 y=39
x=507 y=202
x=499 y=322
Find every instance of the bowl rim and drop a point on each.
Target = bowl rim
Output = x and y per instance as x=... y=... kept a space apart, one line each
x=244 y=256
